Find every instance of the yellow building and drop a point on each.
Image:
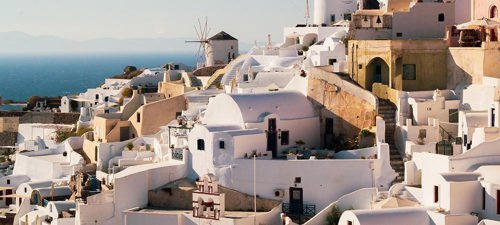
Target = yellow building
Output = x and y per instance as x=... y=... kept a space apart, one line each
x=404 y=65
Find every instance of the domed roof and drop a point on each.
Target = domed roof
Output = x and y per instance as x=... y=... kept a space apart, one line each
x=253 y=108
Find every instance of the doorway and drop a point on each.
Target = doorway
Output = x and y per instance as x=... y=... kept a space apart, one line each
x=296 y=200
x=272 y=137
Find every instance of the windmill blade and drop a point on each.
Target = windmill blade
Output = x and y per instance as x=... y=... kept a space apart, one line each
x=197 y=33
x=206 y=26
x=198 y=59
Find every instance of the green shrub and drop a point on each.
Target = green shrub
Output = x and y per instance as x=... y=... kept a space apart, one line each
x=130 y=145
x=127 y=92
x=333 y=217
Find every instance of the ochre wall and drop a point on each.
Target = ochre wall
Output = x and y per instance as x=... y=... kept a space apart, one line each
x=350 y=113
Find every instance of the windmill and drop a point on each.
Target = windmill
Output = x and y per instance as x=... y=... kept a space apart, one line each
x=202 y=33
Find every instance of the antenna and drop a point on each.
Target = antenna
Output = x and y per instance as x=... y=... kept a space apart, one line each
x=307 y=17
x=202 y=34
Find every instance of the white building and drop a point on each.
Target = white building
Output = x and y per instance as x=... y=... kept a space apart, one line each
x=327 y=12
x=221 y=49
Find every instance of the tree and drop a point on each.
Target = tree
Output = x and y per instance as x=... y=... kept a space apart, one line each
x=127 y=92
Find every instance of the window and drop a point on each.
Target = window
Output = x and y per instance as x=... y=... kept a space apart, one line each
x=441 y=17
x=245 y=77
x=347 y=16
x=422 y=133
x=138 y=117
x=95 y=153
x=177 y=114
x=453 y=115
x=360 y=66
x=285 y=137
x=498 y=201
x=222 y=144
x=96 y=97
x=332 y=18
x=298 y=180
x=332 y=61
x=409 y=72
x=484 y=198
x=25 y=190
x=8 y=181
x=329 y=126
x=399 y=34
x=176 y=67
x=436 y=194
x=494 y=12
x=201 y=144
x=349 y=222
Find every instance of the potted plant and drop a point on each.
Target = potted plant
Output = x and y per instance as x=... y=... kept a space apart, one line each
x=366 y=138
x=130 y=146
x=291 y=155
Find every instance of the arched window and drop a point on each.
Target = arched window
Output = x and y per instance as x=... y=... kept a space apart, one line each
x=494 y=12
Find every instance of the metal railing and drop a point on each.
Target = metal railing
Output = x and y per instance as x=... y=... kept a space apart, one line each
x=299 y=212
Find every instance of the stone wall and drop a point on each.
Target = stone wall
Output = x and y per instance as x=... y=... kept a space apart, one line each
x=8 y=138
x=207 y=71
x=172 y=197
x=9 y=124
x=342 y=101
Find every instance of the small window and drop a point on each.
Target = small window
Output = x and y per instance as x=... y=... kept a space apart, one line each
x=498 y=201
x=347 y=16
x=245 y=77
x=436 y=194
x=222 y=145
x=349 y=222
x=201 y=144
x=332 y=18
x=409 y=72
x=25 y=190
x=484 y=198
x=285 y=137
x=422 y=133
x=95 y=153
x=177 y=114
x=399 y=34
x=332 y=61
x=138 y=117
x=441 y=17
x=360 y=66
x=176 y=67
x=298 y=180
x=329 y=125
x=453 y=115
x=8 y=181
x=96 y=97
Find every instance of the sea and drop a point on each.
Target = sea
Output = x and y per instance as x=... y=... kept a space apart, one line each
x=25 y=75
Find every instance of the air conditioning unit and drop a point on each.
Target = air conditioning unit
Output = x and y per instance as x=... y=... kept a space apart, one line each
x=279 y=193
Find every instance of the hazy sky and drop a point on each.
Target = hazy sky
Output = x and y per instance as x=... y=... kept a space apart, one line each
x=89 y=19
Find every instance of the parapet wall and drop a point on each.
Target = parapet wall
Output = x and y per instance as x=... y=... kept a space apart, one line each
x=351 y=107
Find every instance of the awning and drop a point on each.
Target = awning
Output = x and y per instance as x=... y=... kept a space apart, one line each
x=480 y=23
x=6 y=188
x=15 y=196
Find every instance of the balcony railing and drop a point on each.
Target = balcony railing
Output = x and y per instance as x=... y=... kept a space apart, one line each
x=178 y=154
x=299 y=212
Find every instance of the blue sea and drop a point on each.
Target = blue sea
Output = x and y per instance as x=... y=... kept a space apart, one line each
x=22 y=76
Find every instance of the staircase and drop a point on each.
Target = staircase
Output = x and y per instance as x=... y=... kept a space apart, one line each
x=387 y=110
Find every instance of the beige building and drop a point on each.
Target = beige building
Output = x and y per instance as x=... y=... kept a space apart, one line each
x=9 y=124
x=404 y=65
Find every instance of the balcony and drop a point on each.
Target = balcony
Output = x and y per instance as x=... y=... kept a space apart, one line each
x=299 y=213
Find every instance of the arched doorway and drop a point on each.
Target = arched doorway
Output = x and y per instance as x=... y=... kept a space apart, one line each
x=377 y=71
x=493 y=14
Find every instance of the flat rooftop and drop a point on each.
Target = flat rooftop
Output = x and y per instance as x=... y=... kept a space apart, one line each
x=228 y=214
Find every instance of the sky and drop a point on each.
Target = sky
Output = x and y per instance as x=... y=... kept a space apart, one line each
x=248 y=21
